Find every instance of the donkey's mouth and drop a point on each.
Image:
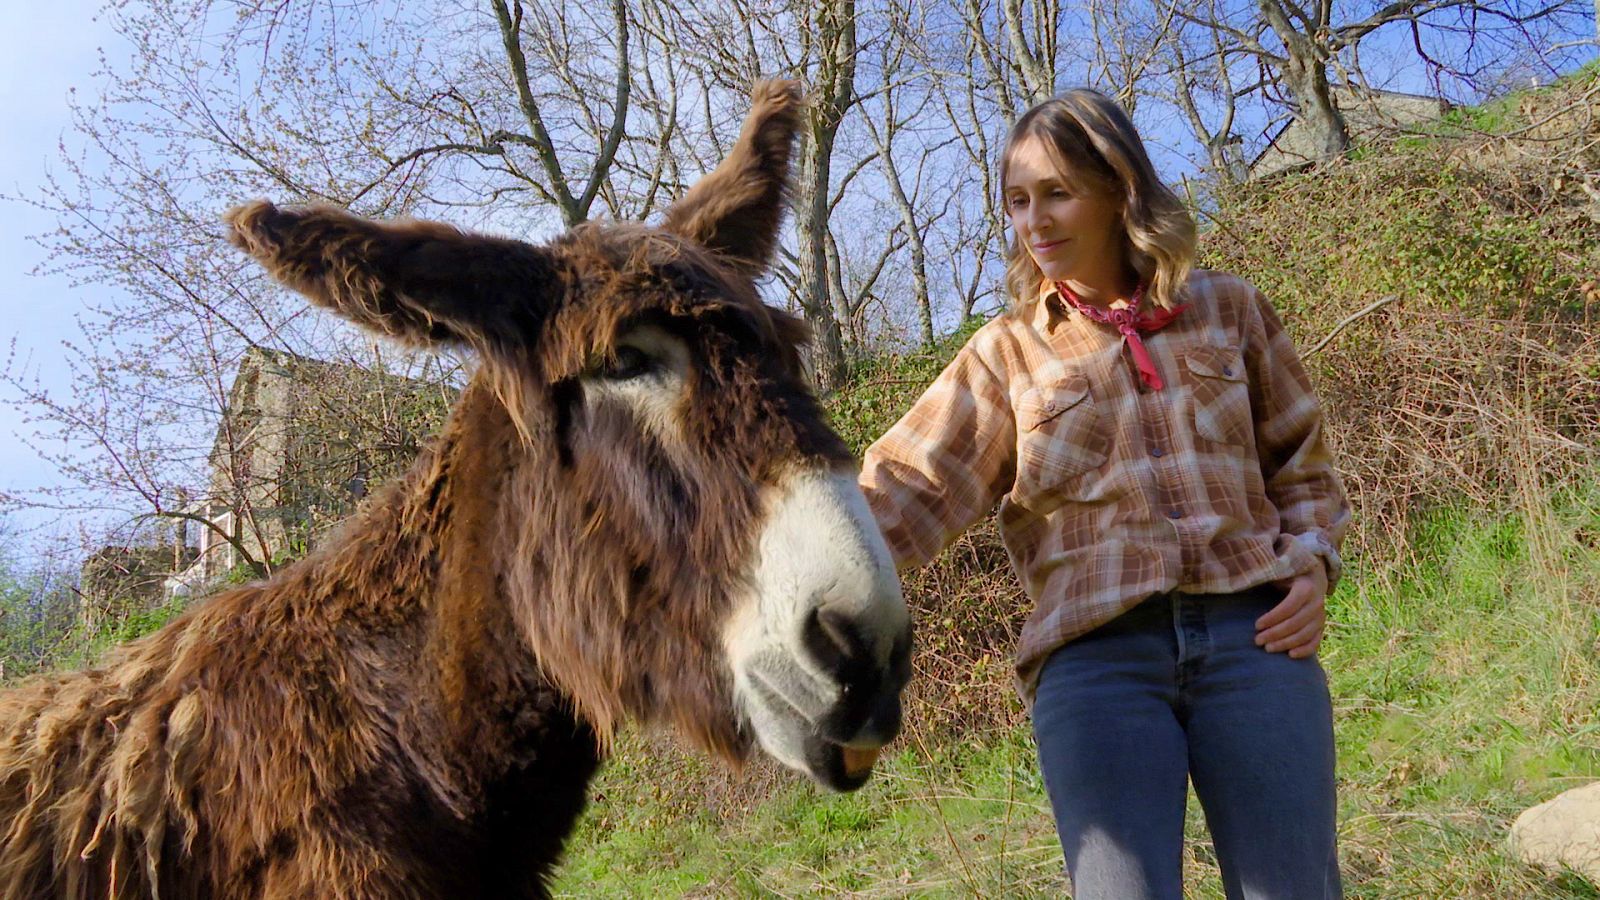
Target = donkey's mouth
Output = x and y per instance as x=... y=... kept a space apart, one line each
x=858 y=762
x=810 y=746
x=841 y=768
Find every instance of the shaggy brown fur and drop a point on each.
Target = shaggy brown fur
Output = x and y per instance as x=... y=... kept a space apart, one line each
x=414 y=711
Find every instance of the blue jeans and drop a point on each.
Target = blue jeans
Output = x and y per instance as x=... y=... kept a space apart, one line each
x=1175 y=689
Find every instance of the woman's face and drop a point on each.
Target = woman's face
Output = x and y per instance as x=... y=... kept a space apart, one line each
x=1072 y=235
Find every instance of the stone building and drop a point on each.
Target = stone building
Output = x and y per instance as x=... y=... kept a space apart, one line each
x=301 y=443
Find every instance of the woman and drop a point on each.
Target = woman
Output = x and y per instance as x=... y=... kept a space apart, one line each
x=1170 y=506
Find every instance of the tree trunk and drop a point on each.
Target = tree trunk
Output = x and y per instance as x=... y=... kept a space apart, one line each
x=1308 y=81
x=1305 y=73
x=833 y=37
x=811 y=233
x=919 y=262
x=908 y=217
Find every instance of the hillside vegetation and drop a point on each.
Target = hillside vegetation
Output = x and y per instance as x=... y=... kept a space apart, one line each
x=1444 y=289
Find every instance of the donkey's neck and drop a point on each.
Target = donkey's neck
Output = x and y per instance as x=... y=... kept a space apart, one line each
x=488 y=735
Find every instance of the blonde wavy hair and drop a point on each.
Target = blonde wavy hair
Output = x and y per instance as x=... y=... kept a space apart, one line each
x=1099 y=151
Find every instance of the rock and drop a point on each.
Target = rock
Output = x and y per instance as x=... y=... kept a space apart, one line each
x=1562 y=833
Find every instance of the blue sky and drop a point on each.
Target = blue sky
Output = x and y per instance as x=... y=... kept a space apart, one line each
x=46 y=49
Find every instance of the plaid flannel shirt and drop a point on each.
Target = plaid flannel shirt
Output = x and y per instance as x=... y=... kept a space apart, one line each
x=1110 y=492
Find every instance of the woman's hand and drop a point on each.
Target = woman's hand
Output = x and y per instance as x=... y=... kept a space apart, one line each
x=1297 y=622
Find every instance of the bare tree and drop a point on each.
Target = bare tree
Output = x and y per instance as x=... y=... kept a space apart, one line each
x=1127 y=42
x=888 y=120
x=1298 y=44
x=730 y=46
x=512 y=114
x=1031 y=29
x=1203 y=66
x=828 y=33
x=979 y=102
x=574 y=209
x=1012 y=49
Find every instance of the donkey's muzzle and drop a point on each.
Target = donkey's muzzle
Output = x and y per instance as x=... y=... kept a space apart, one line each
x=867 y=713
x=822 y=649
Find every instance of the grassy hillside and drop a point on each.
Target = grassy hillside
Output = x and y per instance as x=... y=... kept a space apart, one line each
x=1456 y=279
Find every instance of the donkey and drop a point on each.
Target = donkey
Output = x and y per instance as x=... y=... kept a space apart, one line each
x=636 y=509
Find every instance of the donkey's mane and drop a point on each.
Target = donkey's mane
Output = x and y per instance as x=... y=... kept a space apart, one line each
x=368 y=666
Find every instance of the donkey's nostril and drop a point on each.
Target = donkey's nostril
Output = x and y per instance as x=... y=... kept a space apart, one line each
x=831 y=638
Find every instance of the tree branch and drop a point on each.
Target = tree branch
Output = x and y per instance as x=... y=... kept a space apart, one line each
x=511 y=39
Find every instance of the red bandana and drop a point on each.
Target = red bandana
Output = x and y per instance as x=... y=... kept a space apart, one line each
x=1130 y=321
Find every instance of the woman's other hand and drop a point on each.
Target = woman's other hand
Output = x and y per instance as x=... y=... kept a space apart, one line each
x=1296 y=624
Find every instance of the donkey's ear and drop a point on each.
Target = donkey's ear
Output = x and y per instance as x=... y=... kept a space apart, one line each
x=422 y=282
x=735 y=210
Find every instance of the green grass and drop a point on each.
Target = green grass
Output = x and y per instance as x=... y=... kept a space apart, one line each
x=1465 y=684
x=1465 y=693
x=933 y=822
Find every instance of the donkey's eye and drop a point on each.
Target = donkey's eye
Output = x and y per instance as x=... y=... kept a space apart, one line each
x=628 y=362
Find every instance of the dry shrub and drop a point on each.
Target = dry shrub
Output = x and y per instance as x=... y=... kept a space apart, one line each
x=1453 y=411
x=969 y=611
x=1476 y=386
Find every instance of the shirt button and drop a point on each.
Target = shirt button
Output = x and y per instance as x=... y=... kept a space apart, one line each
x=1227 y=371
x=1174 y=514
x=1156 y=452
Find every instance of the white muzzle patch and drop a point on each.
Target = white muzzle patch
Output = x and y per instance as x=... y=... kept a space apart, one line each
x=819 y=548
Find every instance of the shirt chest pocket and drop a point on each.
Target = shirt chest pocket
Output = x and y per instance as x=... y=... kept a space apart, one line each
x=1220 y=395
x=1060 y=435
